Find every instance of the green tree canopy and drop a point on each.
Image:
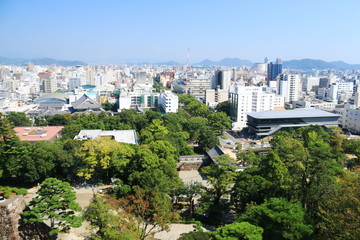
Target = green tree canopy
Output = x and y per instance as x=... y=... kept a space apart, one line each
x=238 y=231
x=280 y=219
x=55 y=202
x=19 y=119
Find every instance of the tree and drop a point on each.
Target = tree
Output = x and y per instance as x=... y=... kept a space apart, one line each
x=100 y=155
x=19 y=119
x=153 y=210
x=224 y=107
x=220 y=176
x=191 y=190
x=108 y=222
x=341 y=213
x=219 y=121
x=250 y=187
x=109 y=106
x=194 y=126
x=238 y=231
x=55 y=202
x=247 y=158
x=280 y=219
x=275 y=171
x=9 y=143
x=207 y=139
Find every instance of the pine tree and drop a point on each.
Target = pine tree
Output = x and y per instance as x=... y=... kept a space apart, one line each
x=55 y=203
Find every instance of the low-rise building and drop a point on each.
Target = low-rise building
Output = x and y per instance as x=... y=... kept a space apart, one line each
x=268 y=122
x=124 y=136
x=35 y=134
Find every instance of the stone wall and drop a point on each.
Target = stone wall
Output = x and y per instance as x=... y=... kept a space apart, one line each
x=191 y=162
x=10 y=213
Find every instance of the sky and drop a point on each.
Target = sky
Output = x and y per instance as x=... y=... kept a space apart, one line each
x=133 y=31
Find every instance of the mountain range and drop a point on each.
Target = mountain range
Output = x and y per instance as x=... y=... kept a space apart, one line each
x=303 y=64
x=38 y=61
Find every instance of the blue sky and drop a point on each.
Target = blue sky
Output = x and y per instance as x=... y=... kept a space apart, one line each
x=109 y=31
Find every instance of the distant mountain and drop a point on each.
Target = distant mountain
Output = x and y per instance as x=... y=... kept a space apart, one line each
x=38 y=61
x=345 y=66
x=308 y=64
x=226 y=62
x=170 y=63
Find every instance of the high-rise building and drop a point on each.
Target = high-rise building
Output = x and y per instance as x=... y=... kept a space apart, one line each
x=49 y=85
x=250 y=99
x=168 y=101
x=290 y=87
x=274 y=70
x=223 y=79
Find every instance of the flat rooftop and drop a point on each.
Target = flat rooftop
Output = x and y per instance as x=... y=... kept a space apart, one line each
x=34 y=134
x=124 y=136
x=297 y=113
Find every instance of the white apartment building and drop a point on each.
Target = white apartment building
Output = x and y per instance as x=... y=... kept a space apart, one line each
x=250 y=99
x=49 y=85
x=76 y=82
x=351 y=114
x=213 y=97
x=310 y=84
x=132 y=100
x=290 y=87
x=168 y=101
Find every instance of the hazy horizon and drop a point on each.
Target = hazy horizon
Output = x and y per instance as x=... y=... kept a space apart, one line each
x=114 y=32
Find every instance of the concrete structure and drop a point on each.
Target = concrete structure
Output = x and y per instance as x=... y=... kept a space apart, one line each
x=351 y=114
x=213 y=97
x=49 y=85
x=290 y=87
x=76 y=82
x=135 y=100
x=168 y=101
x=223 y=79
x=124 y=136
x=35 y=134
x=310 y=84
x=269 y=122
x=318 y=104
x=250 y=99
x=273 y=70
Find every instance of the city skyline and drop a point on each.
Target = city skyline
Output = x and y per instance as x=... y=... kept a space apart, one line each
x=116 y=32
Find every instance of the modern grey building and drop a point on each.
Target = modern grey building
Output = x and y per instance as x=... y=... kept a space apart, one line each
x=269 y=122
x=274 y=70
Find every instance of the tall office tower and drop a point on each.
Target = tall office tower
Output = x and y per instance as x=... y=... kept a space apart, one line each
x=223 y=79
x=274 y=70
x=290 y=87
x=49 y=85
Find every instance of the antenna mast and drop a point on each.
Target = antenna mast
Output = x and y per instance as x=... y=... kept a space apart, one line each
x=186 y=70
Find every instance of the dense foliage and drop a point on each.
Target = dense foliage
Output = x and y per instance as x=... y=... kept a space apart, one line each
x=298 y=190
x=56 y=203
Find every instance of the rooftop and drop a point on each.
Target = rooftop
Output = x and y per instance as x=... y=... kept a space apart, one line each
x=34 y=134
x=124 y=136
x=297 y=113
